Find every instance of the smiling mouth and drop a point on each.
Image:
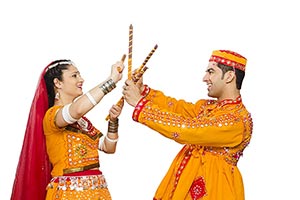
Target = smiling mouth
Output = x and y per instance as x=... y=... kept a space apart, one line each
x=209 y=86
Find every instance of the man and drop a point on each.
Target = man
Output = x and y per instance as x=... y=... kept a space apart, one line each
x=214 y=132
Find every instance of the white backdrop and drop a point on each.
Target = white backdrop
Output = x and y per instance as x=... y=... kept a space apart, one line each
x=94 y=34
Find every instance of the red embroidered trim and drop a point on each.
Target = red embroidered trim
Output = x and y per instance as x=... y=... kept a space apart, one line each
x=90 y=127
x=90 y=130
x=183 y=163
x=138 y=108
x=83 y=173
x=228 y=62
x=198 y=189
x=146 y=90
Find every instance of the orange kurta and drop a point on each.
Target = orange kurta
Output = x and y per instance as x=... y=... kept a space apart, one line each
x=73 y=150
x=214 y=135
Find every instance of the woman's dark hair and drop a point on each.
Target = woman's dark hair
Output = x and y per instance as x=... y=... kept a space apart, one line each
x=238 y=73
x=54 y=70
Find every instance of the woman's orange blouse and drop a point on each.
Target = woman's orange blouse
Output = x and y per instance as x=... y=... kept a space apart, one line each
x=69 y=149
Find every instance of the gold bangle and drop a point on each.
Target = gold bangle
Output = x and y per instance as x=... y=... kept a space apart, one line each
x=113 y=125
x=112 y=129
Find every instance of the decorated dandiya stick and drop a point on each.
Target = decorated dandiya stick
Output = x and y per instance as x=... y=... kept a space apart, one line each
x=130 y=51
x=149 y=56
x=119 y=69
x=139 y=73
x=122 y=60
x=142 y=68
x=118 y=104
x=142 y=71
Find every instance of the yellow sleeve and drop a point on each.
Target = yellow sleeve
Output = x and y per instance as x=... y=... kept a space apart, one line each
x=49 y=121
x=221 y=129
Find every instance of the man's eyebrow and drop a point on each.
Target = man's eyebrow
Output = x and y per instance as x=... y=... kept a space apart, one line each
x=210 y=69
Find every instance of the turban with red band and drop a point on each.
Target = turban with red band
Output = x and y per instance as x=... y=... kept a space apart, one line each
x=229 y=58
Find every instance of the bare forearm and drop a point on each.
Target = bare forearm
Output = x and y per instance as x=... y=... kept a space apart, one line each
x=110 y=140
x=87 y=101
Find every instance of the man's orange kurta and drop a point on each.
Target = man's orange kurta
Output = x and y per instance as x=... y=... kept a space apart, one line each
x=214 y=135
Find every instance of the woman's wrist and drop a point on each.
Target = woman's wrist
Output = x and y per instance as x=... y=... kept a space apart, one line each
x=113 y=125
x=108 y=86
x=114 y=119
x=114 y=78
x=112 y=139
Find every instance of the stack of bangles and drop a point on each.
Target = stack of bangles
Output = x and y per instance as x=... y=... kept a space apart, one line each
x=113 y=126
x=108 y=86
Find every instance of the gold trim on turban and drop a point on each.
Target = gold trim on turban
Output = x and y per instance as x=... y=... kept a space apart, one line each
x=229 y=58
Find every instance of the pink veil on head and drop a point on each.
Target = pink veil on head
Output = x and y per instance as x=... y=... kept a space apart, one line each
x=33 y=171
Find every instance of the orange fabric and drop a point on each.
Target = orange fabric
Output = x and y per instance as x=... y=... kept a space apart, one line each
x=214 y=135
x=97 y=194
x=68 y=150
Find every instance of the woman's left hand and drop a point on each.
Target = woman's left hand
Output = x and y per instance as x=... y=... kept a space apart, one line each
x=116 y=110
x=116 y=71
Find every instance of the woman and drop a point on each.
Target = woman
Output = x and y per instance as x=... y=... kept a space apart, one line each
x=57 y=125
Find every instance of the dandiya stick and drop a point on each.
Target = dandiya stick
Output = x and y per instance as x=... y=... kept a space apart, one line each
x=122 y=60
x=141 y=70
x=118 y=104
x=149 y=56
x=138 y=75
x=130 y=51
x=119 y=69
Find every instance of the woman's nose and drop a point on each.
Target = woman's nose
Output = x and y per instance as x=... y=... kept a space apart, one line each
x=81 y=79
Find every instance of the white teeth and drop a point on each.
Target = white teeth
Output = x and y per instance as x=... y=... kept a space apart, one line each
x=209 y=86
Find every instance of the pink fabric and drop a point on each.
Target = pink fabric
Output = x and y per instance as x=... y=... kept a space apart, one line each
x=33 y=171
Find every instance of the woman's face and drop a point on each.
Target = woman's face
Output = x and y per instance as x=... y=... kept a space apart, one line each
x=71 y=84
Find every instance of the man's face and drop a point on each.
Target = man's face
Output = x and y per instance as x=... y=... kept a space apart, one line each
x=214 y=80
